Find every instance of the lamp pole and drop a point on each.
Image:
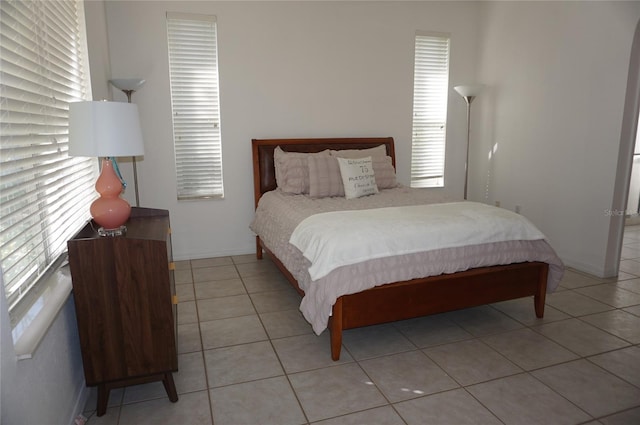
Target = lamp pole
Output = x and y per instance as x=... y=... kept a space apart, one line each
x=468 y=93
x=128 y=86
x=468 y=100
x=135 y=164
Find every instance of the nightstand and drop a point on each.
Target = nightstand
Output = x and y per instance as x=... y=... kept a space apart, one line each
x=124 y=294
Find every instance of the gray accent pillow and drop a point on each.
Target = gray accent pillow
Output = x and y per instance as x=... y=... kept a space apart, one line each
x=292 y=170
x=324 y=177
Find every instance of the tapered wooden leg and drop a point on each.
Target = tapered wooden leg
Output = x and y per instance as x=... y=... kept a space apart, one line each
x=258 y=248
x=170 y=387
x=103 y=399
x=541 y=293
x=539 y=305
x=335 y=327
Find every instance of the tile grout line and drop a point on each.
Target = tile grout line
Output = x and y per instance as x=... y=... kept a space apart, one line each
x=275 y=352
x=532 y=327
x=202 y=353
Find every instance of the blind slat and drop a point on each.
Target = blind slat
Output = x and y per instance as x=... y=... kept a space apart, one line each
x=193 y=67
x=44 y=194
x=430 y=90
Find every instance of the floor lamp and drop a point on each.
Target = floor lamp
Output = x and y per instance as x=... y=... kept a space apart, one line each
x=468 y=93
x=129 y=86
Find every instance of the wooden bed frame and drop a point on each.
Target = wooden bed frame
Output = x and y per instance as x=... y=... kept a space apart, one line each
x=407 y=299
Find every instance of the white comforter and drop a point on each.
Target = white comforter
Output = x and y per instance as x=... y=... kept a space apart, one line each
x=341 y=238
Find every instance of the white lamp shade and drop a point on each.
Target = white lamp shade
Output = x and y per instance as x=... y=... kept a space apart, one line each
x=103 y=129
x=128 y=83
x=469 y=89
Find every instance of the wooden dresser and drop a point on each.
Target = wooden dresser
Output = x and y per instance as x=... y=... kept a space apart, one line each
x=124 y=293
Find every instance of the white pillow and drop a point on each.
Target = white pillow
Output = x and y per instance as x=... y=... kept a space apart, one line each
x=358 y=177
x=379 y=151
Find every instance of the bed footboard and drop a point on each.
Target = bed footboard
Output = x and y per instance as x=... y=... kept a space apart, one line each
x=438 y=294
x=430 y=295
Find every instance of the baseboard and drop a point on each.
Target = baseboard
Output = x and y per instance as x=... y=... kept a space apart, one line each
x=81 y=402
x=590 y=269
x=632 y=220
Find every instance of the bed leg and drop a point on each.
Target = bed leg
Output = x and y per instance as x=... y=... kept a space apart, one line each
x=541 y=293
x=538 y=301
x=258 y=248
x=335 y=328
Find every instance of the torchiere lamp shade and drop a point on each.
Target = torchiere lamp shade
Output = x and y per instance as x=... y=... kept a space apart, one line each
x=469 y=90
x=127 y=84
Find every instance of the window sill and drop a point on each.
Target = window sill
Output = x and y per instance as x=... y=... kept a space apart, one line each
x=35 y=322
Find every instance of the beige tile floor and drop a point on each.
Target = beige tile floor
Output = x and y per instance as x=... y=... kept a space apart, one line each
x=246 y=356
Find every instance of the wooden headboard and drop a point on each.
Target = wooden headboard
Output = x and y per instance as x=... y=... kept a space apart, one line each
x=264 y=175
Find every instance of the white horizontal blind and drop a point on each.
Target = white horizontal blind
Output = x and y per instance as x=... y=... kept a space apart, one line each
x=193 y=66
x=44 y=194
x=430 y=91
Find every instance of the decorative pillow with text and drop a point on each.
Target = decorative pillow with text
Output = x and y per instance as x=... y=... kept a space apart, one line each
x=358 y=177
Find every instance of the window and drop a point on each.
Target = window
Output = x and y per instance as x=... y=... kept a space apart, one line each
x=44 y=194
x=430 y=91
x=193 y=68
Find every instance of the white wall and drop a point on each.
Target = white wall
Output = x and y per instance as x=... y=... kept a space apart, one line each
x=49 y=388
x=557 y=76
x=634 y=184
x=552 y=110
x=98 y=48
x=288 y=69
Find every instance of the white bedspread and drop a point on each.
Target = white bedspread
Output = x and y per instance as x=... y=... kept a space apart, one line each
x=334 y=239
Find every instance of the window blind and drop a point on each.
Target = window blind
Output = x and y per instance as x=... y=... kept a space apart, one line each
x=44 y=194
x=430 y=92
x=193 y=67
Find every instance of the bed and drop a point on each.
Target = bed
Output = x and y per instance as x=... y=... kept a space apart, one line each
x=394 y=287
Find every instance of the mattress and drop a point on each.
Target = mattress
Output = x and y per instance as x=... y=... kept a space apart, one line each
x=278 y=214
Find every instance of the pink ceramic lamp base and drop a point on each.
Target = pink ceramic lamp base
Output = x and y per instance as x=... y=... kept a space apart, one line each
x=110 y=211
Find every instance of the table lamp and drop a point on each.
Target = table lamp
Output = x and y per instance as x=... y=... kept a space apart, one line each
x=107 y=130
